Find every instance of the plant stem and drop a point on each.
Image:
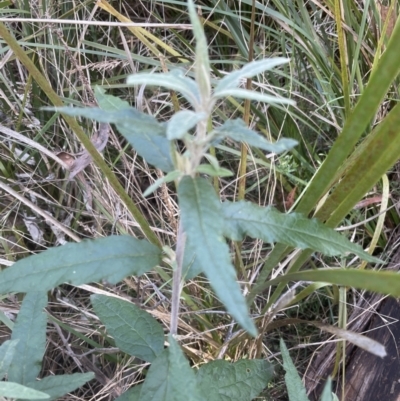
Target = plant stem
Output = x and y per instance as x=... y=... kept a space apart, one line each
x=177 y=279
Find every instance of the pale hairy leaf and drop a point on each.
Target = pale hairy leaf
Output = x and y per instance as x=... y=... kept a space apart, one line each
x=238 y=131
x=16 y=390
x=181 y=122
x=7 y=351
x=252 y=95
x=234 y=79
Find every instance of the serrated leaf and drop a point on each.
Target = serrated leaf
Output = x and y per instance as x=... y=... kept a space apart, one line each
x=202 y=65
x=233 y=79
x=172 y=176
x=252 y=95
x=170 y=377
x=135 y=331
x=327 y=391
x=203 y=223
x=111 y=258
x=294 y=385
x=239 y=381
x=238 y=131
x=175 y=80
x=181 y=122
x=58 y=386
x=30 y=332
x=146 y=135
x=244 y=218
x=212 y=171
x=16 y=390
x=133 y=394
x=7 y=352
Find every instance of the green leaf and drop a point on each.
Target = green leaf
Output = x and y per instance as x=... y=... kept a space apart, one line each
x=181 y=122
x=327 y=391
x=238 y=131
x=244 y=218
x=175 y=80
x=135 y=331
x=212 y=171
x=15 y=390
x=233 y=80
x=58 y=386
x=239 y=381
x=146 y=135
x=383 y=282
x=294 y=385
x=191 y=263
x=7 y=352
x=133 y=394
x=202 y=65
x=203 y=223
x=252 y=95
x=30 y=331
x=111 y=258
x=170 y=377
x=172 y=176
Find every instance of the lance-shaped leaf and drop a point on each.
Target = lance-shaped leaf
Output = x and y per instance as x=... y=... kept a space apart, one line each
x=170 y=378
x=30 y=331
x=234 y=79
x=181 y=122
x=111 y=258
x=238 y=131
x=7 y=351
x=57 y=386
x=252 y=95
x=203 y=223
x=135 y=331
x=244 y=218
x=16 y=390
x=240 y=381
x=146 y=135
x=202 y=65
x=175 y=80
x=294 y=385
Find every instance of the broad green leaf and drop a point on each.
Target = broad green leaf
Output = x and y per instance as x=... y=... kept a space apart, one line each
x=327 y=391
x=383 y=282
x=58 y=386
x=212 y=171
x=294 y=385
x=181 y=122
x=135 y=331
x=244 y=218
x=203 y=222
x=175 y=80
x=30 y=331
x=109 y=102
x=133 y=394
x=146 y=135
x=7 y=351
x=233 y=80
x=172 y=176
x=111 y=258
x=191 y=263
x=238 y=131
x=252 y=95
x=239 y=381
x=16 y=390
x=170 y=377
x=202 y=65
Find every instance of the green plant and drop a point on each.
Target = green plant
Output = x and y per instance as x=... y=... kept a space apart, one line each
x=200 y=245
